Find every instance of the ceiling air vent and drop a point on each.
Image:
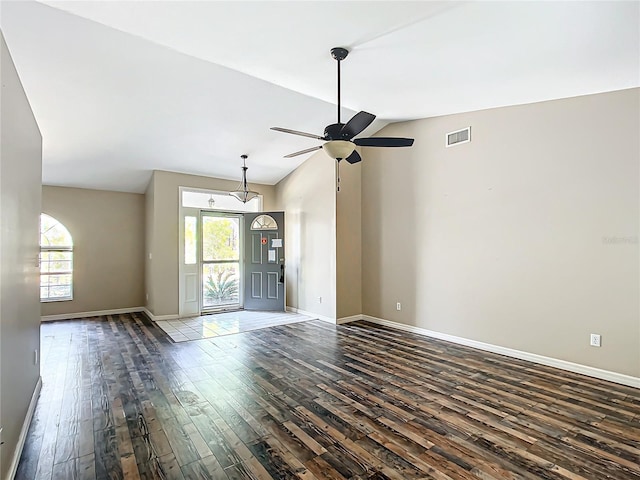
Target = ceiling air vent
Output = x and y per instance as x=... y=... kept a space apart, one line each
x=458 y=137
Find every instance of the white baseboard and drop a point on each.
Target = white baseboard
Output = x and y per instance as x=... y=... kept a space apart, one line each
x=97 y=313
x=157 y=318
x=311 y=314
x=352 y=318
x=17 y=453
x=510 y=352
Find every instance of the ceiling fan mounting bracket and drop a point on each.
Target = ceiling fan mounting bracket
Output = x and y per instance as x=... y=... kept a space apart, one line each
x=339 y=53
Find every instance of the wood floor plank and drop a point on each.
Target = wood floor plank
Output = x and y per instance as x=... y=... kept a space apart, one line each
x=87 y=467
x=314 y=401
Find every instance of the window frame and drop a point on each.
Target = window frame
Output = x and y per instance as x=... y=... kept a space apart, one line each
x=52 y=249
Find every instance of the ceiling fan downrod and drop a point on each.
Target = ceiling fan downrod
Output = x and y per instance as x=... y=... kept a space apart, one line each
x=339 y=54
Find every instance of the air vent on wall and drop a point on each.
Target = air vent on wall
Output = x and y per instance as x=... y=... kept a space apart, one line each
x=458 y=137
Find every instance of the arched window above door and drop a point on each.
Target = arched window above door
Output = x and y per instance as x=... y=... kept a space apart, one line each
x=264 y=222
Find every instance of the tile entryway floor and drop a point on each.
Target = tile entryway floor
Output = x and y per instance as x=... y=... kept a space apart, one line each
x=227 y=323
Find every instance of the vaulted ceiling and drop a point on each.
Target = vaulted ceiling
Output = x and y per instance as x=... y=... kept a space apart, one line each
x=122 y=88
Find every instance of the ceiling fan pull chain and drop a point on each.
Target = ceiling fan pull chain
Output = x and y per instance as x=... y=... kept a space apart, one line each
x=338 y=175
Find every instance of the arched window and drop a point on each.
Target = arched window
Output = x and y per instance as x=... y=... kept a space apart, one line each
x=264 y=222
x=56 y=260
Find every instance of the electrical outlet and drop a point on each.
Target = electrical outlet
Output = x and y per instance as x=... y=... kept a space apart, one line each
x=398 y=306
x=147 y=295
x=595 y=340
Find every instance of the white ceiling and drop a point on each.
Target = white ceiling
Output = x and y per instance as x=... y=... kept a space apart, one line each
x=122 y=88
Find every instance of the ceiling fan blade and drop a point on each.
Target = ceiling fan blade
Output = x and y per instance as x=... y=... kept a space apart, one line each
x=295 y=132
x=307 y=150
x=357 y=124
x=384 y=142
x=353 y=158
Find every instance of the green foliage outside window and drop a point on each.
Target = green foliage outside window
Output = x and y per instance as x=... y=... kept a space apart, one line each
x=222 y=286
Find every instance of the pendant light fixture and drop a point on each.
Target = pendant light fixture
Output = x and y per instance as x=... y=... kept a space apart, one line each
x=242 y=193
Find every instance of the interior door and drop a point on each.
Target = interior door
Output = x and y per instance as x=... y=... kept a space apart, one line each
x=264 y=261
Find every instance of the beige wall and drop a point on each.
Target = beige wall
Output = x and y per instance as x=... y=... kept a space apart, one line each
x=108 y=230
x=162 y=221
x=526 y=238
x=20 y=177
x=349 y=242
x=308 y=197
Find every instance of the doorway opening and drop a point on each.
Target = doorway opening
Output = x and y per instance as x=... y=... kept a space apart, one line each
x=221 y=241
x=231 y=254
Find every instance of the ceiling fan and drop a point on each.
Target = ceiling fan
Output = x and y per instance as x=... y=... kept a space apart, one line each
x=339 y=137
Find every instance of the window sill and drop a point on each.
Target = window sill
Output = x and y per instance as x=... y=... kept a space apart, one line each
x=53 y=300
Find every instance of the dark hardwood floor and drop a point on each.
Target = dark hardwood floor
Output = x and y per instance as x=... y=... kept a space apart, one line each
x=310 y=400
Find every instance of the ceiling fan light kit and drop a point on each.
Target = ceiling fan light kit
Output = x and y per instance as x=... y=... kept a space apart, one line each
x=339 y=149
x=339 y=137
x=243 y=193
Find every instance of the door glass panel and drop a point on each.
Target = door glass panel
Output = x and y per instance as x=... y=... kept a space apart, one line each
x=264 y=222
x=220 y=282
x=220 y=261
x=220 y=238
x=190 y=240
